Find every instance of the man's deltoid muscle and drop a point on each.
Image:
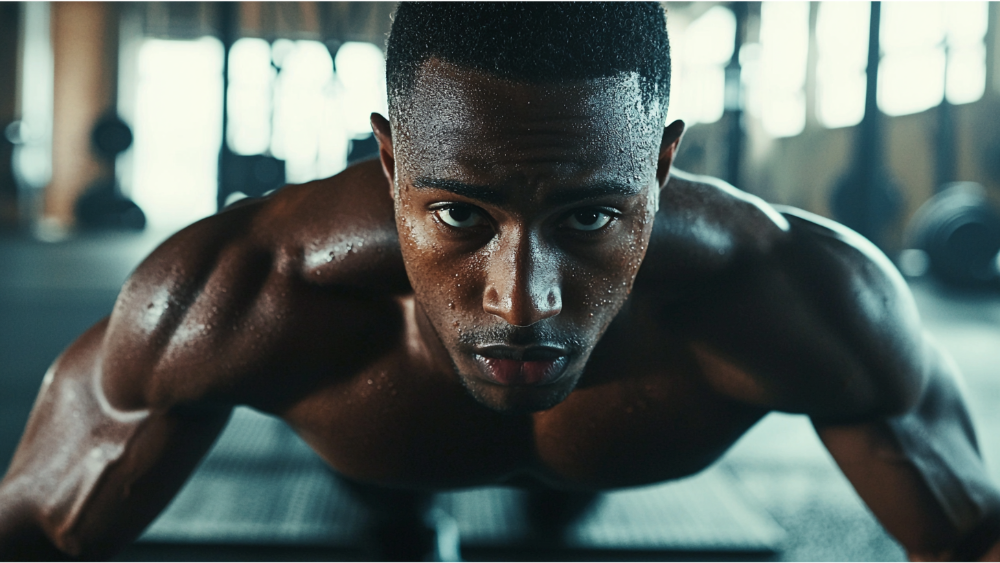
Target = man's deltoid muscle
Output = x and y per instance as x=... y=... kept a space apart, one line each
x=539 y=299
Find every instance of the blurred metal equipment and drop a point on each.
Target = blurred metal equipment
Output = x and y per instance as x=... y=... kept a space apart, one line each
x=103 y=206
x=946 y=153
x=959 y=231
x=867 y=199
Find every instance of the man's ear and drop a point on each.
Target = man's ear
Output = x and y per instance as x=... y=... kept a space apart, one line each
x=668 y=150
x=386 y=154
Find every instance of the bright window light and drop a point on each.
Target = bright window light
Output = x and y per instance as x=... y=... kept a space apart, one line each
x=361 y=70
x=251 y=79
x=966 y=33
x=784 y=40
x=303 y=84
x=178 y=130
x=931 y=50
x=701 y=54
x=911 y=82
x=842 y=44
x=966 y=23
x=318 y=111
x=911 y=25
x=709 y=40
x=911 y=72
x=966 y=79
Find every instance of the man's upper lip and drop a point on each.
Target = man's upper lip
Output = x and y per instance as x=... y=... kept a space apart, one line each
x=521 y=353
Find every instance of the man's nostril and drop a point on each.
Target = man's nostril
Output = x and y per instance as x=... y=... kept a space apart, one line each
x=553 y=300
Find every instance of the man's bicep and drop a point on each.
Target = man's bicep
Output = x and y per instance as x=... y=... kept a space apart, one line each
x=920 y=472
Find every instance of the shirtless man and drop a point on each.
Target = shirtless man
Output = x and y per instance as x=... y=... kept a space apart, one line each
x=470 y=310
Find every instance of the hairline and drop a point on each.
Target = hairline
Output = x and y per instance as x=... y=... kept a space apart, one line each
x=406 y=91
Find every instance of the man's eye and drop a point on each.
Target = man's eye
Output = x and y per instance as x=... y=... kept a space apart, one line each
x=588 y=220
x=460 y=216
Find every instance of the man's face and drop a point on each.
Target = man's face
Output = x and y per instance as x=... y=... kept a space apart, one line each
x=524 y=212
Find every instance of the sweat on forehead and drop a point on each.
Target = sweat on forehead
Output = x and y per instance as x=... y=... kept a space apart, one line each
x=454 y=112
x=532 y=41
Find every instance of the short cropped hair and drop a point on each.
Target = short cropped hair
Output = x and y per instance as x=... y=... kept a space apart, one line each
x=533 y=42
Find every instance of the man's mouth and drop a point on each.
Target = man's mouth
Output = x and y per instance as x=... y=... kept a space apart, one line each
x=535 y=365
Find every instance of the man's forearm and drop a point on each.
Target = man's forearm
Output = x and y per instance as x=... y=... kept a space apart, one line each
x=921 y=474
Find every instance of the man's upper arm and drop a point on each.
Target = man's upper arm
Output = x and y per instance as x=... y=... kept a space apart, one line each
x=180 y=329
x=860 y=295
x=123 y=415
x=816 y=322
x=911 y=452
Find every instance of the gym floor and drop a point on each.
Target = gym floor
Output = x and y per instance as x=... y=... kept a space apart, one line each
x=50 y=293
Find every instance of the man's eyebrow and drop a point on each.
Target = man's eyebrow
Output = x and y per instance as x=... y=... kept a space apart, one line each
x=500 y=196
x=592 y=191
x=484 y=194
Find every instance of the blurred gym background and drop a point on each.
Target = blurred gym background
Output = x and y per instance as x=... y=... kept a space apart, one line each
x=123 y=122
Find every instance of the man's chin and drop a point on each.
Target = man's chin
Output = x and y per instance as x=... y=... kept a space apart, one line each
x=515 y=400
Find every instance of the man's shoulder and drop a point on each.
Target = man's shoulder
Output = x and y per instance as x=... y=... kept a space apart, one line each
x=704 y=226
x=338 y=232
x=262 y=287
x=790 y=306
x=708 y=227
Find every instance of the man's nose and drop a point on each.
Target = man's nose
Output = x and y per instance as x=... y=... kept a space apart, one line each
x=522 y=287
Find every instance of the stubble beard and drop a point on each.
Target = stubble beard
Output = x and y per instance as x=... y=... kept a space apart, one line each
x=509 y=400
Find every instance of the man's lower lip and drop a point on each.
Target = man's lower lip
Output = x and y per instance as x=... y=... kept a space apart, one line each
x=513 y=372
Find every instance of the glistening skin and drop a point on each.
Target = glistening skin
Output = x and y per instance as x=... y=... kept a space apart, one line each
x=524 y=212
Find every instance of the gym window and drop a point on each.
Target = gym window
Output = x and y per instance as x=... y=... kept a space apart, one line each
x=929 y=52
x=291 y=100
x=701 y=54
x=780 y=100
x=178 y=130
x=842 y=47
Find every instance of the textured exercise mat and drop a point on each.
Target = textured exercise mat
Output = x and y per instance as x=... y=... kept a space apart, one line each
x=261 y=485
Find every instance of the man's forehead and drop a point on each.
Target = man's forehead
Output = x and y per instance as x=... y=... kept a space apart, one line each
x=466 y=117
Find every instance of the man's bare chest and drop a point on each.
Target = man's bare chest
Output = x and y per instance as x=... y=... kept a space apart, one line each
x=641 y=414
